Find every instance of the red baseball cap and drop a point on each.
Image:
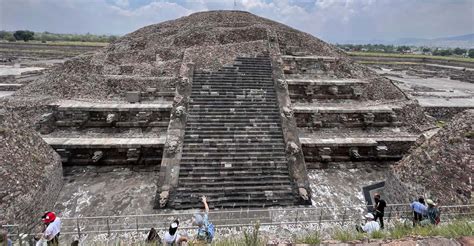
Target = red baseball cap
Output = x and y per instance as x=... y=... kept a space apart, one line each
x=49 y=217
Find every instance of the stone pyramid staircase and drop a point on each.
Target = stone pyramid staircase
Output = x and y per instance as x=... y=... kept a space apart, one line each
x=233 y=150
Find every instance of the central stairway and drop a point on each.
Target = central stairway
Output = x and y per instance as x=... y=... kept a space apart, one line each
x=233 y=150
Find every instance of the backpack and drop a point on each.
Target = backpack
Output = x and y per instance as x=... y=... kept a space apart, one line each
x=211 y=230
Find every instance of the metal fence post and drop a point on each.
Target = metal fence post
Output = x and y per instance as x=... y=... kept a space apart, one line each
x=389 y=213
x=296 y=218
x=78 y=228
x=136 y=223
x=344 y=217
x=108 y=227
x=320 y=217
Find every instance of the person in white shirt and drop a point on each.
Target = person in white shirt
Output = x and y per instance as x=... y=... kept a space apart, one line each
x=53 y=228
x=172 y=236
x=370 y=225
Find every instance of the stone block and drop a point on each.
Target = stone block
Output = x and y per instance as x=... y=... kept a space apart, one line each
x=133 y=96
x=333 y=90
x=381 y=150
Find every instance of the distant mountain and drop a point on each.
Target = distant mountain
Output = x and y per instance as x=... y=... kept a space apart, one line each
x=462 y=41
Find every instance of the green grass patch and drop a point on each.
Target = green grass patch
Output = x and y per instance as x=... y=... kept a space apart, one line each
x=378 y=54
x=310 y=238
x=62 y=43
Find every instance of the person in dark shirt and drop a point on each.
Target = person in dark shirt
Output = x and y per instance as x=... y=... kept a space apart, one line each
x=379 y=209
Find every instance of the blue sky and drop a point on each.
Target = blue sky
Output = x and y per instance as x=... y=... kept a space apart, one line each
x=331 y=20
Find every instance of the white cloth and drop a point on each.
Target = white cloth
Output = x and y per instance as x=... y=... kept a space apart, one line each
x=171 y=239
x=41 y=242
x=53 y=229
x=371 y=226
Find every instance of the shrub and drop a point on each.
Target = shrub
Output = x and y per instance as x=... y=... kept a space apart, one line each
x=310 y=238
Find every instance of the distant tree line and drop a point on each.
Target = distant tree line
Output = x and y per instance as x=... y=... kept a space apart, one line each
x=26 y=36
x=406 y=49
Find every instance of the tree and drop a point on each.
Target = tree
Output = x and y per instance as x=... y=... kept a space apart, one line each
x=471 y=53
x=403 y=49
x=426 y=50
x=24 y=35
x=459 y=51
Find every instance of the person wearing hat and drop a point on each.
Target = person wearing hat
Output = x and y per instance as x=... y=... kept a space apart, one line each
x=432 y=212
x=172 y=236
x=53 y=228
x=370 y=224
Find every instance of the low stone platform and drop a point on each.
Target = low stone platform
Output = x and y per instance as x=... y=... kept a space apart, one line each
x=297 y=81
x=80 y=114
x=86 y=143
x=320 y=152
x=316 y=116
x=100 y=107
x=10 y=87
x=314 y=58
x=108 y=151
x=308 y=90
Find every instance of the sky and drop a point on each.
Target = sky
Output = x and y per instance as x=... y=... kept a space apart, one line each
x=331 y=20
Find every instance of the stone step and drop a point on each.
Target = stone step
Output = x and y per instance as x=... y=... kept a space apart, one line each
x=218 y=165
x=234 y=154
x=234 y=110
x=233 y=92
x=216 y=141
x=233 y=129
x=202 y=132
x=229 y=150
x=256 y=115
x=244 y=183
x=233 y=121
x=230 y=104
x=238 y=178
x=236 y=124
x=212 y=170
x=235 y=145
x=230 y=159
x=232 y=98
x=240 y=106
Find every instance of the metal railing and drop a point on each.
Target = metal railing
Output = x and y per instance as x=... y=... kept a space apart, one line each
x=243 y=218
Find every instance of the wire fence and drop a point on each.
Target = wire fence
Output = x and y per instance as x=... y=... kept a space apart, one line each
x=79 y=227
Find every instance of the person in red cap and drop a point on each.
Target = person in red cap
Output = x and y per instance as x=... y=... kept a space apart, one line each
x=53 y=228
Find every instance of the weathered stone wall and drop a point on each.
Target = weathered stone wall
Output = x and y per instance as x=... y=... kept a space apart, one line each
x=212 y=58
x=440 y=168
x=30 y=173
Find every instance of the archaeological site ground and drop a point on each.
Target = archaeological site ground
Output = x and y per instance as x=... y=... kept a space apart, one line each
x=270 y=123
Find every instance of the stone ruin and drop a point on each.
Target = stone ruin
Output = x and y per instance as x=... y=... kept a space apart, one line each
x=224 y=104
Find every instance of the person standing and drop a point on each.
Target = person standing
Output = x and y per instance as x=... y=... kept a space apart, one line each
x=53 y=228
x=419 y=210
x=432 y=212
x=205 y=232
x=379 y=209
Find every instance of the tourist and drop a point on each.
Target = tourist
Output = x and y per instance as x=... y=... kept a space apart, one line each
x=205 y=232
x=379 y=209
x=53 y=228
x=172 y=236
x=419 y=210
x=4 y=240
x=432 y=214
x=370 y=224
